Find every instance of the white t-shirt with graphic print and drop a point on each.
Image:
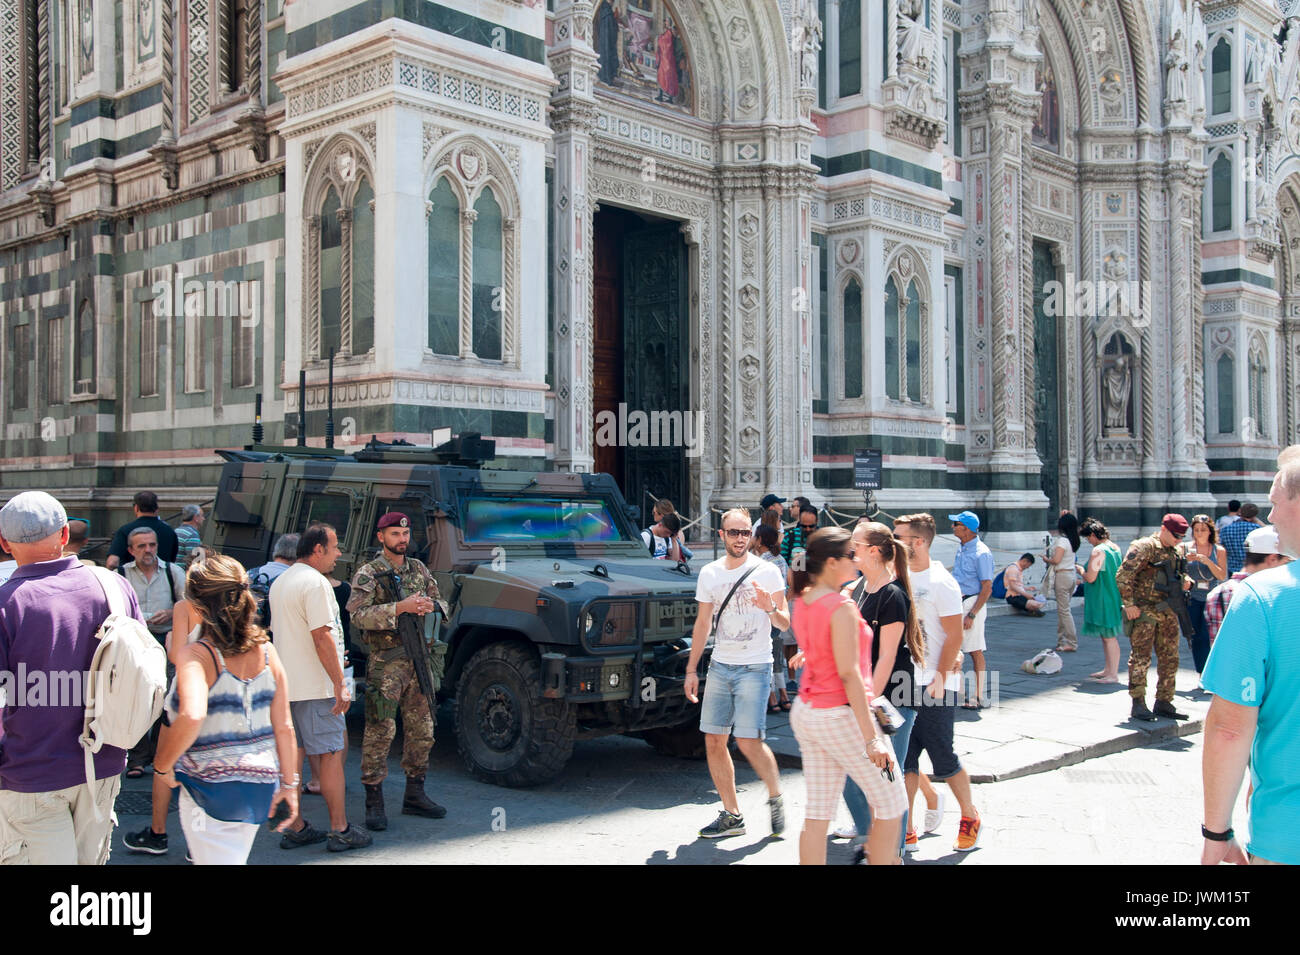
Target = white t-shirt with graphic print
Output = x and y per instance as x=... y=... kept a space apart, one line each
x=744 y=634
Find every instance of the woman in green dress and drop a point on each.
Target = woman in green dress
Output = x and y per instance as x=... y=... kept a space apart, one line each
x=1102 y=615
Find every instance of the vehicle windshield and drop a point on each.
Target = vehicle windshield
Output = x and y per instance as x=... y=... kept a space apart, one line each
x=540 y=519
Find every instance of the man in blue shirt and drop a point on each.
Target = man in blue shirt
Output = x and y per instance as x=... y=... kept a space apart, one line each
x=972 y=568
x=1254 y=673
x=1233 y=537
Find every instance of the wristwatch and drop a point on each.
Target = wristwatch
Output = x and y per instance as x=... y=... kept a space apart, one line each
x=972 y=615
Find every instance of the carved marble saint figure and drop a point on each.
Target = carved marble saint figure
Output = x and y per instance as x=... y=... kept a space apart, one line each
x=1116 y=388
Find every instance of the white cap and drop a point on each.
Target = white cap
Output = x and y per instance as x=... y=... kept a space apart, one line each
x=1262 y=541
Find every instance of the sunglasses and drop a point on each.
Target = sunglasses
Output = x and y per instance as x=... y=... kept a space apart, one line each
x=738 y=532
x=808 y=526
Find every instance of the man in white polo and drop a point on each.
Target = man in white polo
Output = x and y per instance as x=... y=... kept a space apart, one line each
x=309 y=639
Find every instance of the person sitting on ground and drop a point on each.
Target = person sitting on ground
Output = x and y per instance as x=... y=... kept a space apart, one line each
x=1024 y=597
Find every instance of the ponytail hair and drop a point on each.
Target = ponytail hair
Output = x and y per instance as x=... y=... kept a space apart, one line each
x=825 y=544
x=895 y=555
x=217 y=588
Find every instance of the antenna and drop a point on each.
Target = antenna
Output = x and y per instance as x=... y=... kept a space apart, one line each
x=302 y=407
x=329 y=414
x=257 y=419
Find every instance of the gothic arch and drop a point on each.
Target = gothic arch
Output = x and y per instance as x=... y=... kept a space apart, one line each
x=1134 y=50
x=472 y=164
x=342 y=161
x=342 y=164
x=739 y=58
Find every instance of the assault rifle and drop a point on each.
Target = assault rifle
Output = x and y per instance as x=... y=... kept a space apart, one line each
x=1169 y=584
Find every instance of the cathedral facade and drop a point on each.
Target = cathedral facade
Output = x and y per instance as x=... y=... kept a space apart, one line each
x=1040 y=254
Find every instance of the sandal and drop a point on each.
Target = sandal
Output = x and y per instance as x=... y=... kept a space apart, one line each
x=785 y=706
x=773 y=708
x=971 y=706
x=135 y=772
x=308 y=791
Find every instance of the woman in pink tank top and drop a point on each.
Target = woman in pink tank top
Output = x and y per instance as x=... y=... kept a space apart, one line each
x=832 y=720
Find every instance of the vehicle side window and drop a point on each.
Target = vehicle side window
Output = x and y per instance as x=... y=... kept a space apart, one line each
x=333 y=509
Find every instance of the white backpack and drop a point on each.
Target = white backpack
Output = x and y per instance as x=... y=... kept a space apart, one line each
x=126 y=682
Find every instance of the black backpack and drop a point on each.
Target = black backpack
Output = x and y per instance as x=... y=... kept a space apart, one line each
x=259 y=583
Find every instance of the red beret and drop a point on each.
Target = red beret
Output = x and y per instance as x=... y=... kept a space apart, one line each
x=394 y=519
x=1175 y=524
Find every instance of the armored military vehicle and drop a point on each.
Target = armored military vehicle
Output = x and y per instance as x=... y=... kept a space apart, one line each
x=561 y=626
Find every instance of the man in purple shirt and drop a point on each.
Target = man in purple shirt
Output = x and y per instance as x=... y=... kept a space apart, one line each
x=50 y=610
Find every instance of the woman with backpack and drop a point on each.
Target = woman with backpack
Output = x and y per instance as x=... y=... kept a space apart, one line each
x=229 y=731
x=837 y=732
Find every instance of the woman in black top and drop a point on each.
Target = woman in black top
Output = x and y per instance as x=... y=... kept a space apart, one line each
x=884 y=596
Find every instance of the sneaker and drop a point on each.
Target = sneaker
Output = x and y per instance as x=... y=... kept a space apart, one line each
x=725 y=825
x=934 y=817
x=306 y=836
x=146 y=840
x=909 y=843
x=968 y=833
x=776 y=806
x=846 y=832
x=349 y=838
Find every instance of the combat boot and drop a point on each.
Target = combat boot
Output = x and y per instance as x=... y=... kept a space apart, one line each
x=376 y=821
x=1165 y=708
x=416 y=803
x=1140 y=711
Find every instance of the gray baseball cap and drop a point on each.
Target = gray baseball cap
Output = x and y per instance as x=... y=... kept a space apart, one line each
x=30 y=517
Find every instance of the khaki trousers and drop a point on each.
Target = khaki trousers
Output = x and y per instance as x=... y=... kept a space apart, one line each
x=58 y=828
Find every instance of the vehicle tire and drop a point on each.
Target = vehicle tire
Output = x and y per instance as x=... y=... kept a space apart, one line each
x=508 y=733
x=685 y=741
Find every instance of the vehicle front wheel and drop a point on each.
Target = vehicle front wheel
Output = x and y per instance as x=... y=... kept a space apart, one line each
x=509 y=734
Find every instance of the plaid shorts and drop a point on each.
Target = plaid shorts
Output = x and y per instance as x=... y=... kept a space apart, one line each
x=831 y=744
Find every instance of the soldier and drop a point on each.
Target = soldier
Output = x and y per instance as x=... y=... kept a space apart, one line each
x=1151 y=620
x=390 y=585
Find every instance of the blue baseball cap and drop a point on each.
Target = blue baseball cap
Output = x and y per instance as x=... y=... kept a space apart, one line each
x=966 y=517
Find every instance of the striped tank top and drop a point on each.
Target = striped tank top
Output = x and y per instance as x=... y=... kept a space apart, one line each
x=231 y=770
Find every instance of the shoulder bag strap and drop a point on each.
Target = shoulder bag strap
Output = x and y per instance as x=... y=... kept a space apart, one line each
x=727 y=599
x=112 y=590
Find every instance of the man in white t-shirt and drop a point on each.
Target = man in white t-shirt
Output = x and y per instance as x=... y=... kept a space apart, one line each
x=747 y=595
x=309 y=639
x=938 y=602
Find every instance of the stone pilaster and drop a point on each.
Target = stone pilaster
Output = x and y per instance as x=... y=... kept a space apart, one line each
x=573 y=119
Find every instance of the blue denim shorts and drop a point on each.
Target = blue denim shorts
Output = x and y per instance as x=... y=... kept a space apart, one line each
x=735 y=700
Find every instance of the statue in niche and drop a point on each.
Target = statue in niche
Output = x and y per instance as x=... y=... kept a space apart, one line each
x=1117 y=385
x=1047 y=127
x=807 y=42
x=911 y=43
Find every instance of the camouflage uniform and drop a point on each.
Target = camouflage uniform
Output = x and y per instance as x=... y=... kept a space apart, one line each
x=1157 y=626
x=390 y=678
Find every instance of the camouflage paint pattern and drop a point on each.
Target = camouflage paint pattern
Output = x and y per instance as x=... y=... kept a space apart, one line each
x=1136 y=577
x=373 y=604
x=1158 y=631
x=391 y=687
